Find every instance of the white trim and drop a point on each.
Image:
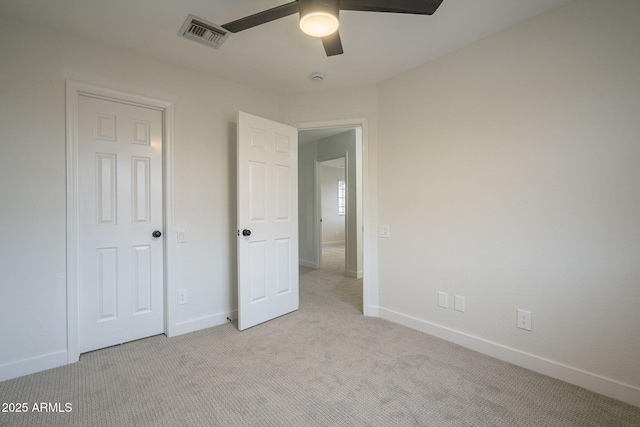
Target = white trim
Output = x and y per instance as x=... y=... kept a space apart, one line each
x=22 y=367
x=596 y=383
x=73 y=90
x=317 y=213
x=204 y=322
x=369 y=189
x=334 y=243
x=308 y=264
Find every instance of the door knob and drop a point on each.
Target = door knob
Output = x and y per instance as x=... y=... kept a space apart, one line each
x=156 y=233
x=246 y=232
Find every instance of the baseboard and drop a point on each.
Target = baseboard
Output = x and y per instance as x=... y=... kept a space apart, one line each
x=305 y=263
x=371 y=311
x=202 y=323
x=593 y=382
x=354 y=274
x=32 y=365
x=334 y=243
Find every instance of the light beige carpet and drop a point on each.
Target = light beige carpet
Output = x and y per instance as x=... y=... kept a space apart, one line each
x=324 y=365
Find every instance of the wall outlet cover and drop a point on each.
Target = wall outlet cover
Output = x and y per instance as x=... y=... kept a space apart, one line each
x=182 y=297
x=524 y=320
x=443 y=299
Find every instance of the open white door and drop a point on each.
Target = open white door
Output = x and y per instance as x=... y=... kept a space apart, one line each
x=267 y=220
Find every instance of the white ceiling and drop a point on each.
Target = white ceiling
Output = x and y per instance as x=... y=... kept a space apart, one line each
x=277 y=56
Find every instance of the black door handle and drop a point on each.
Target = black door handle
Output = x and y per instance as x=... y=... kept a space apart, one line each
x=246 y=232
x=156 y=233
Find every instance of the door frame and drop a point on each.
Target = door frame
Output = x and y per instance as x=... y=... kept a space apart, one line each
x=74 y=90
x=369 y=208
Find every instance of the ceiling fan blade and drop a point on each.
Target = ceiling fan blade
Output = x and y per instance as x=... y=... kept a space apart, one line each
x=262 y=17
x=417 y=7
x=332 y=44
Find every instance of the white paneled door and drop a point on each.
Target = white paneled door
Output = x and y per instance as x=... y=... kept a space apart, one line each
x=267 y=220
x=120 y=222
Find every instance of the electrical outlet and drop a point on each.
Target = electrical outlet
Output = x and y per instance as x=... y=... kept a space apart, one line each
x=524 y=320
x=443 y=299
x=458 y=303
x=182 y=297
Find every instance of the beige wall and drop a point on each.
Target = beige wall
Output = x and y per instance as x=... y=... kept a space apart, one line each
x=509 y=172
x=33 y=70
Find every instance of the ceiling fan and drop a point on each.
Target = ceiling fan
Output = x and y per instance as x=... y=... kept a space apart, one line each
x=319 y=18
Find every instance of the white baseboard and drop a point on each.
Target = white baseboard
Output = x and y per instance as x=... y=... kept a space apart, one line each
x=593 y=382
x=32 y=365
x=372 y=311
x=202 y=323
x=305 y=263
x=354 y=274
x=334 y=243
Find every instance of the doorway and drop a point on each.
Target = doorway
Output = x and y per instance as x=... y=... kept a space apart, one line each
x=318 y=145
x=147 y=177
x=332 y=188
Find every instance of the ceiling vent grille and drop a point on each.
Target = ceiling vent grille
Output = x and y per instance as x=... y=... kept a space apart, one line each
x=204 y=32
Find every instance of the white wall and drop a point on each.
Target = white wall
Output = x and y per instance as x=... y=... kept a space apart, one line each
x=333 y=224
x=33 y=70
x=509 y=172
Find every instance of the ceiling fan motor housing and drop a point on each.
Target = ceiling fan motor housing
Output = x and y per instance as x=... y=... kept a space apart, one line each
x=328 y=6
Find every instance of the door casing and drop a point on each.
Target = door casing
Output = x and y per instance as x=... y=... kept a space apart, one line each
x=73 y=90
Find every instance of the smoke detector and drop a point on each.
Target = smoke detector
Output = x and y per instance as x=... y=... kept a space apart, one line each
x=317 y=77
x=203 y=31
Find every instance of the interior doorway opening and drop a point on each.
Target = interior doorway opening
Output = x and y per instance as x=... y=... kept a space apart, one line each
x=321 y=150
x=332 y=188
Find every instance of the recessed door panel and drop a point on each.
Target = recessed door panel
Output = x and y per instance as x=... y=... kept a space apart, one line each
x=283 y=266
x=258 y=139
x=105 y=127
x=283 y=144
x=257 y=191
x=141 y=199
x=258 y=262
x=107 y=292
x=106 y=188
x=283 y=193
x=141 y=132
x=142 y=279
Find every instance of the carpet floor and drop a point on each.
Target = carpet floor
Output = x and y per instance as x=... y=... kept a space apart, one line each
x=324 y=365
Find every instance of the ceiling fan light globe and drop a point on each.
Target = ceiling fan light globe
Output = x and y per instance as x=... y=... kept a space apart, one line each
x=319 y=24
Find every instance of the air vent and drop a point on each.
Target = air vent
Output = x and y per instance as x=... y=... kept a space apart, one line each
x=204 y=32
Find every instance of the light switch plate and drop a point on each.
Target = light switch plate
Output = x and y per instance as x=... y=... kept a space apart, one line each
x=384 y=231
